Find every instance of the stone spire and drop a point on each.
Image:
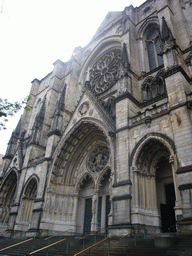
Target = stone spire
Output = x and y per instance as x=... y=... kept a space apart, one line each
x=57 y=122
x=37 y=127
x=169 y=50
x=12 y=145
x=124 y=58
x=166 y=33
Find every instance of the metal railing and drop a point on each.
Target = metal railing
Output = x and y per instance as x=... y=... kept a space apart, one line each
x=107 y=238
x=52 y=244
x=48 y=246
x=14 y=245
x=40 y=249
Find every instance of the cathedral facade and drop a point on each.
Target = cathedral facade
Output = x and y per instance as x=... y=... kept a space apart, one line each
x=107 y=143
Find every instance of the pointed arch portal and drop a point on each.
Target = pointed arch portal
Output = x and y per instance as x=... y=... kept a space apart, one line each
x=154 y=187
x=81 y=177
x=7 y=196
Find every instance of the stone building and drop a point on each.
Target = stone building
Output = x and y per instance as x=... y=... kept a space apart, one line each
x=108 y=140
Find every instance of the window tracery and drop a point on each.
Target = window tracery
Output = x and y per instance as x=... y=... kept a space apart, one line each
x=98 y=159
x=153 y=42
x=104 y=72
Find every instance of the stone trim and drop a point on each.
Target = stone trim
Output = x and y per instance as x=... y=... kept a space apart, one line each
x=158 y=136
x=184 y=169
x=185 y=186
x=39 y=200
x=13 y=213
x=122 y=183
x=129 y=96
x=120 y=226
x=120 y=198
x=38 y=210
x=15 y=204
x=33 y=230
x=55 y=132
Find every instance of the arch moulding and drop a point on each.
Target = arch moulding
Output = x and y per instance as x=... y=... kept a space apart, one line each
x=165 y=140
x=101 y=47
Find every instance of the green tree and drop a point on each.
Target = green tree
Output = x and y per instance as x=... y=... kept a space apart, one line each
x=9 y=109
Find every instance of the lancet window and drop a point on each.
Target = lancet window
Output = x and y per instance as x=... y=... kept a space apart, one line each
x=154 y=43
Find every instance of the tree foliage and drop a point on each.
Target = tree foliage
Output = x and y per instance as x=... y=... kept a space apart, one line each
x=9 y=109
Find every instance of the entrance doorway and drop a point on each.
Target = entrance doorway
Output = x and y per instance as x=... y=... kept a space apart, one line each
x=166 y=195
x=167 y=210
x=88 y=216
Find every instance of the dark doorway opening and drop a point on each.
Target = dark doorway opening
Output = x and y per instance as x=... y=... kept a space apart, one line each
x=88 y=216
x=168 y=221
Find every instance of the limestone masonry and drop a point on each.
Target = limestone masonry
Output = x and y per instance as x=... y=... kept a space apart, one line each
x=108 y=140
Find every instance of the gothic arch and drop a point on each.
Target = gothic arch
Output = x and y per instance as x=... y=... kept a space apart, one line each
x=104 y=45
x=7 y=193
x=152 y=21
x=76 y=145
x=80 y=180
x=165 y=140
x=106 y=171
x=149 y=48
x=153 y=162
x=28 y=197
x=32 y=177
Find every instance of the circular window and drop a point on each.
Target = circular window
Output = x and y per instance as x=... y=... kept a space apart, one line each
x=98 y=159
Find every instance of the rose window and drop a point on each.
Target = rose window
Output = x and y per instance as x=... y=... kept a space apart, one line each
x=98 y=159
x=104 y=72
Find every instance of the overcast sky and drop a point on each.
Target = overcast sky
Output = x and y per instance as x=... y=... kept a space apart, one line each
x=35 y=33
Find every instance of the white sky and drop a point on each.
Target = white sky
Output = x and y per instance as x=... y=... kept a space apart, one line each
x=35 y=33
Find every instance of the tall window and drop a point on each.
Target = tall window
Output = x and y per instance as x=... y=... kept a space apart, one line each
x=154 y=43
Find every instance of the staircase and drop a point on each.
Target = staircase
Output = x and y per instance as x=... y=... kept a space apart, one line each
x=69 y=246
x=183 y=247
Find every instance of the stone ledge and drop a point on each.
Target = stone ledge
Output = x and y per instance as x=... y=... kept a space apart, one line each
x=184 y=169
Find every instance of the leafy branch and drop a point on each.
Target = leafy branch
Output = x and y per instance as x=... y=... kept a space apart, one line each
x=9 y=109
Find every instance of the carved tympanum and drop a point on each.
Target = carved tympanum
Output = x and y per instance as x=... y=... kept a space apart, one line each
x=104 y=72
x=98 y=159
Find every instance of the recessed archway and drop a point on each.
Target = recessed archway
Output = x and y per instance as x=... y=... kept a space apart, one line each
x=28 y=198
x=154 y=197
x=7 y=193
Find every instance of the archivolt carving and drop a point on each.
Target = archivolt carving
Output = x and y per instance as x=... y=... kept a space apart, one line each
x=106 y=172
x=165 y=140
x=98 y=159
x=80 y=180
x=104 y=72
x=156 y=159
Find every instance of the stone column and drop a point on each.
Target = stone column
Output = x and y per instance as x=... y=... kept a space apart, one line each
x=136 y=187
x=94 y=223
x=74 y=216
x=178 y=207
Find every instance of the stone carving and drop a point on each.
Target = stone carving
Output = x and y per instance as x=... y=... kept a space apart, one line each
x=98 y=159
x=154 y=87
x=58 y=207
x=104 y=72
x=84 y=108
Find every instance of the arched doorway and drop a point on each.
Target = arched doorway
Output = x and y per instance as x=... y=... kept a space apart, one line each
x=7 y=196
x=85 y=205
x=94 y=203
x=165 y=194
x=28 y=198
x=77 y=173
x=154 y=198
